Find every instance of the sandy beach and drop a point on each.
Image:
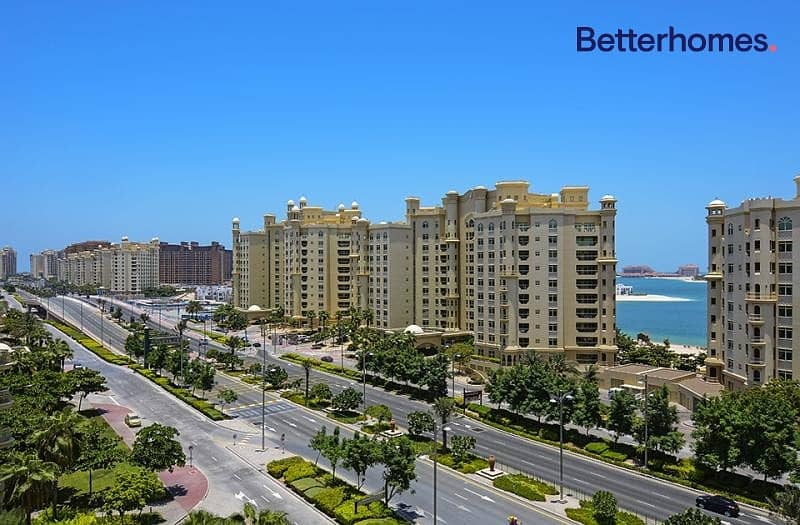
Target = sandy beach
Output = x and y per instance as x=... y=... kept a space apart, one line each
x=686 y=349
x=653 y=298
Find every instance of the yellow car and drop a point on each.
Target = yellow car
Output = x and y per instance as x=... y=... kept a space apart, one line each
x=132 y=420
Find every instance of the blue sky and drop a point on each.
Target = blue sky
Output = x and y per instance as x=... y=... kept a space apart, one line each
x=169 y=118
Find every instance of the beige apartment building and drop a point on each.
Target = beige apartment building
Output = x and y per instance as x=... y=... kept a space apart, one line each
x=44 y=265
x=320 y=260
x=127 y=267
x=751 y=296
x=8 y=262
x=522 y=271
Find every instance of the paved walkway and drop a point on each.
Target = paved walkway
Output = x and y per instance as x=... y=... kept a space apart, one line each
x=188 y=485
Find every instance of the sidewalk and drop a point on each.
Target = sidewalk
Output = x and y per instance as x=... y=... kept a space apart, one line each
x=188 y=485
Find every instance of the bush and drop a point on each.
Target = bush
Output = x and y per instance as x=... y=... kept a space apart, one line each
x=345 y=513
x=313 y=492
x=549 y=434
x=614 y=456
x=300 y=470
x=605 y=507
x=596 y=447
x=278 y=467
x=303 y=484
x=520 y=488
x=481 y=410
x=382 y=521
x=328 y=499
x=585 y=515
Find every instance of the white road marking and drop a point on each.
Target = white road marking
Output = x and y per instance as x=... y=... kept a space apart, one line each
x=527 y=462
x=215 y=459
x=114 y=401
x=484 y=498
x=276 y=495
x=237 y=477
x=456 y=494
x=599 y=475
x=289 y=423
x=311 y=419
x=264 y=498
x=648 y=504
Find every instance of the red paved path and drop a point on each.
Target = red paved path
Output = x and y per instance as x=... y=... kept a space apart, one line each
x=187 y=485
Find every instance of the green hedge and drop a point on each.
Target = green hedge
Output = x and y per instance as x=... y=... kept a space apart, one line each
x=201 y=405
x=345 y=513
x=472 y=465
x=91 y=345
x=585 y=515
x=329 y=499
x=279 y=466
x=596 y=447
x=299 y=471
x=382 y=521
x=303 y=484
x=524 y=486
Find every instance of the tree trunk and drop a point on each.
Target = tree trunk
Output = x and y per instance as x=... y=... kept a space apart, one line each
x=80 y=400
x=90 y=482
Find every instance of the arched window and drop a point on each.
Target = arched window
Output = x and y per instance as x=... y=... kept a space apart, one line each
x=480 y=227
x=757 y=310
x=502 y=225
x=491 y=226
x=784 y=224
x=552 y=224
x=730 y=229
x=424 y=224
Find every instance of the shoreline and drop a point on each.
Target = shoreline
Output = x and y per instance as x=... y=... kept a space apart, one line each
x=666 y=278
x=652 y=298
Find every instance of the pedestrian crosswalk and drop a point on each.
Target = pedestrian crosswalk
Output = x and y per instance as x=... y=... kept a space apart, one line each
x=253 y=411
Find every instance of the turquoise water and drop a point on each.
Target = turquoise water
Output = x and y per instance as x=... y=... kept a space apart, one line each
x=680 y=322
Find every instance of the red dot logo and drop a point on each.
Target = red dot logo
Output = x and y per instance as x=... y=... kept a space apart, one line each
x=773 y=48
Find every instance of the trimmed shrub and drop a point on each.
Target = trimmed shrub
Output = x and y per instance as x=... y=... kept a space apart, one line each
x=596 y=447
x=549 y=434
x=509 y=484
x=278 y=467
x=614 y=456
x=299 y=471
x=345 y=513
x=328 y=499
x=605 y=507
x=381 y=521
x=313 y=492
x=303 y=484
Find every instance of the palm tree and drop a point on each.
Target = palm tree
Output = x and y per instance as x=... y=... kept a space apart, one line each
x=144 y=317
x=59 y=441
x=203 y=517
x=368 y=316
x=26 y=480
x=786 y=504
x=444 y=407
x=307 y=368
x=60 y=350
x=311 y=314
x=590 y=374
x=250 y=516
x=323 y=318
x=193 y=308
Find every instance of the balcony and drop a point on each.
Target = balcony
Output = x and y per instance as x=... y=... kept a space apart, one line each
x=6 y=401
x=755 y=319
x=758 y=341
x=756 y=361
x=6 y=438
x=761 y=297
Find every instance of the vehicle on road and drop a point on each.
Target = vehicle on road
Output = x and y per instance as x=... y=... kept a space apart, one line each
x=317 y=346
x=133 y=420
x=614 y=391
x=326 y=358
x=77 y=366
x=719 y=504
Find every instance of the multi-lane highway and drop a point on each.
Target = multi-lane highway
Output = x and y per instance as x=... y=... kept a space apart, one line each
x=459 y=499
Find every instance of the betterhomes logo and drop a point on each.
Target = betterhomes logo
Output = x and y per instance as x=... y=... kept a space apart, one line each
x=671 y=42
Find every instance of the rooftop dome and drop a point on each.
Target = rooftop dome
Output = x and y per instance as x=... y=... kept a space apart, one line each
x=716 y=202
x=452 y=192
x=341 y=207
x=354 y=205
x=295 y=208
x=254 y=308
x=608 y=197
x=303 y=200
x=479 y=188
x=509 y=201
x=236 y=220
x=290 y=203
x=413 y=329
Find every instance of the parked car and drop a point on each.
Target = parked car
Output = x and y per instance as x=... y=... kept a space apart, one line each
x=317 y=346
x=132 y=420
x=77 y=366
x=327 y=359
x=614 y=391
x=719 y=504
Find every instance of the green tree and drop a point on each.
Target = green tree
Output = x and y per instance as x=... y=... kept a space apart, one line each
x=399 y=461
x=605 y=507
x=347 y=400
x=461 y=354
x=133 y=488
x=321 y=392
x=158 y=357
x=435 y=375
x=319 y=442
x=251 y=516
x=786 y=504
x=716 y=432
x=587 y=406
x=444 y=407
x=621 y=414
x=661 y=421
x=334 y=450
x=59 y=441
x=86 y=381
x=26 y=482
x=419 y=423
x=204 y=379
x=770 y=433
x=307 y=369
x=99 y=450
x=380 y=412
x=360 y=453
x=193 y=308
x=461 y=448
x=133 y=346
x=234 y=343
x=226 y=397
x=116 y=313
x=155 y=448
x=276 y=376
x=692 y=517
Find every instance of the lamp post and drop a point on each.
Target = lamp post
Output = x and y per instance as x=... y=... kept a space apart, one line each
x=81 y=303
x=191 y=448
x=264 y=403
x=646 y=417
x=436 y=462
x=102 y=315
x=453 y=387
x=364 y=369
x=341 y=341
x=560 y=398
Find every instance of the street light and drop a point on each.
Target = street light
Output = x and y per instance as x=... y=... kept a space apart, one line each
x=560 y=398
x=646 y=417
x=435 y=462
x=364 y=368
x=191 y=448
x=456 y=356
x=264 y=403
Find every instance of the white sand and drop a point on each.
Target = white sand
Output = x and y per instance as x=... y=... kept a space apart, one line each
x=686 y=349
x=651 y=298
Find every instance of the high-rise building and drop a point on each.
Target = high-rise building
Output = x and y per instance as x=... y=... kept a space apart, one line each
x=190 y=263
x=522 y=271
x=37 y=265
x=751 y=291
x=8 y=262
x=127 y=267
x=44 y=265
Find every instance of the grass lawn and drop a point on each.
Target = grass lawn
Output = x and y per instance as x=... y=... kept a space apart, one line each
x=101 y=479
x=585 y=515
x=348 y=417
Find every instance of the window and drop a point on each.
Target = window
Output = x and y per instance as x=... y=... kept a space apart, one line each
x=784 y=311
x=784 y=333
x=784 y=267
x=785 y=354
x=757 y=376
x=784 y=289
x=784 y=246
x=785 y=374
x=784 y=224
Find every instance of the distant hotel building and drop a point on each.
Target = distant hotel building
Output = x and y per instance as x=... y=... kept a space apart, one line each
x=127 y=267
x=44 y=265
x=751 y=297
x=520 y=270
x=192 y=264
x=8 y=262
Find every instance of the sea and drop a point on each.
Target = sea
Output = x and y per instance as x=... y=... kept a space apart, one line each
x=682 y=322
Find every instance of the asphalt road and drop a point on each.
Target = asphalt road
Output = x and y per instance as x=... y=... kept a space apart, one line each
x=459 y=500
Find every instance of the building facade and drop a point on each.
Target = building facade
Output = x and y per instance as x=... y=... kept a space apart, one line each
x=8 y=262
x=521 y=271
x=44 y=265
x=751 y=298
x=127 y=267
x=188 y=263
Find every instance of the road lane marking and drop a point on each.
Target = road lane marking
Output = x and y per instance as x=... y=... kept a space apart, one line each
x=310 y=419
x=456 y=494
x=215 y=459
x=264 y=498
x=598 y=475
x=484 y=498
x=237 y=477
